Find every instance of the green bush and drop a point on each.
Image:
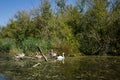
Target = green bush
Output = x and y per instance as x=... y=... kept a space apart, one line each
x=70 y=47
x=29 y=45
x=6 y=44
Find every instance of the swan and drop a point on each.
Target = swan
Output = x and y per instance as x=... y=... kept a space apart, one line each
x=53 y=54
x=20 y=56
x=38 y=56
x=61 y=58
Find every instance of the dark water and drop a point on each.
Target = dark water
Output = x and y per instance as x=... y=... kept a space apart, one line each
x=75 y=68
x=3 y=78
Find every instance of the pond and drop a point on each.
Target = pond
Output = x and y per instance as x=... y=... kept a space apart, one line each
x=3 y=77
x=75 y=68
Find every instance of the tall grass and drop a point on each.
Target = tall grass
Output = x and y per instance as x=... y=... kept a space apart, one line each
x=27 y=46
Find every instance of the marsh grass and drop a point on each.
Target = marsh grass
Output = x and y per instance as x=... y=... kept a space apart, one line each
x=75 y=68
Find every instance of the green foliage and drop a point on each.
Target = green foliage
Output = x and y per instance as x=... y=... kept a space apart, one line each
x=90 y=27
x=29 y=45
x=61 y=3
x=6 y=44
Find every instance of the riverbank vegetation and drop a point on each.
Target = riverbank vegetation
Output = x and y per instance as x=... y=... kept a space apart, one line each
x=90 y=27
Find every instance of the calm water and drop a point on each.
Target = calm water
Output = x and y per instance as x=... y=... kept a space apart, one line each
x=3 y=78
x=81 y=68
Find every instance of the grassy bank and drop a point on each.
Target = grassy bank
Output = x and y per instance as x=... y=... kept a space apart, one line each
x=75 y=68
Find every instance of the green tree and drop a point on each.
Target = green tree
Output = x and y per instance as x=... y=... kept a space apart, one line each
x=114 y=28
x=93 y=38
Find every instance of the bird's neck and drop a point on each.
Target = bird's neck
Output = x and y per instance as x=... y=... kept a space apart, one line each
x=63 y=54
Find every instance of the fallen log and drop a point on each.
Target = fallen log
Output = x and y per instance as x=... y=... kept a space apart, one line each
x=42 y=53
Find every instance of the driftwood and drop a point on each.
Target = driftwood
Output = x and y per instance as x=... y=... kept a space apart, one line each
x=41 y=53
x=36 y=64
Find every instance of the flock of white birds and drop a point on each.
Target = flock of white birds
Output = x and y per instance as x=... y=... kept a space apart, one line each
x=52 y=54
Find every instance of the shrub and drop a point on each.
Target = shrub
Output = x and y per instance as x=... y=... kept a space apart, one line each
x=68 y=46
x=6 y=44
x=29 y=45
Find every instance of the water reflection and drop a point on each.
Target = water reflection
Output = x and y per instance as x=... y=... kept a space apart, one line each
x=3 y=77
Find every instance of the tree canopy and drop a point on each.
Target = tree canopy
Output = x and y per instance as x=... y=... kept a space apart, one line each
x=91 y=27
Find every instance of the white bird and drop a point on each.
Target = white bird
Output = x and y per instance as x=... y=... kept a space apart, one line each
x=53 y=54
x=20 y=56
x=38 y=56
x=61 y=58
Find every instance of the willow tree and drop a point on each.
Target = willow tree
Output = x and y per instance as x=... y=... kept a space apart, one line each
x=93 y=38
x=114 y=27
x=41 y=18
